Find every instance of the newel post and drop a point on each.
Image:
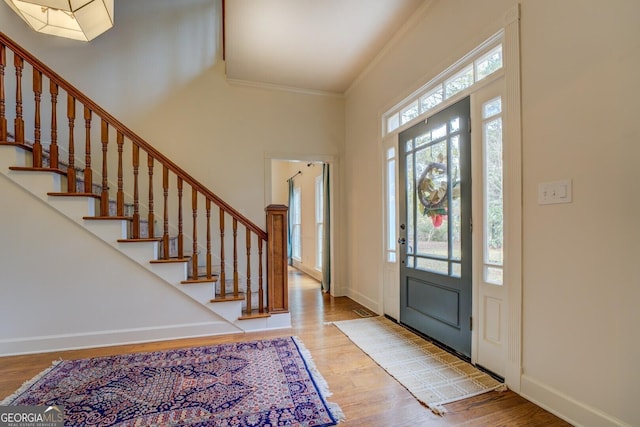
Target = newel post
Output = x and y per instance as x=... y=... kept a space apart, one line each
x=277 y=276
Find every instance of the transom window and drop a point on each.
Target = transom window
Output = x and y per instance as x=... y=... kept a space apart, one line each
x=471 y=69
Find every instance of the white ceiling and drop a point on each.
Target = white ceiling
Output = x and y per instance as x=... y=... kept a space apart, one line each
x=318 y=45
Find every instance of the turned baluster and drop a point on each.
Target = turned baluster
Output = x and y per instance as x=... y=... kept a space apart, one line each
x=136 y=207
x=260 y=289
x=222 y=278
x=37 y=94
x=194 y=259
x=151 y=216
x=165 y=232
x=180 y=235
x=18 y=122
x=104 y=195
x=208 y=207
x=248 y=244
x=88 y=172
x=235 y=257
x=53 y=148
x=3 y=113
x=120 y=194
x=71 y=169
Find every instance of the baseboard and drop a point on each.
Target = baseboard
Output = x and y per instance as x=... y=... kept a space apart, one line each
x=311 y=272
x=45 y=344
x=364 y=300
x=565 y=407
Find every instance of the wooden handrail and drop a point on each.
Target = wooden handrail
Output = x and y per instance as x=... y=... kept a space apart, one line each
x=76 y=94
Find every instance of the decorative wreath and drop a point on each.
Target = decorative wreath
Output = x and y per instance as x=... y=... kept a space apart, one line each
x=432 y=192
x=432 y=186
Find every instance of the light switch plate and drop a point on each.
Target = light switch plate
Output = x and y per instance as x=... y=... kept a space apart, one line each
x=555 y=192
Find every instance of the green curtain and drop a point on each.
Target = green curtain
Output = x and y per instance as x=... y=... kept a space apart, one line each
x=289 y=217
x=326 y=230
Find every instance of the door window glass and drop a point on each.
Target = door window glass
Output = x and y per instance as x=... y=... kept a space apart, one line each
x=434 y=227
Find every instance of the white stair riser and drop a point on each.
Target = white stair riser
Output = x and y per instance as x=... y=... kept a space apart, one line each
x=37 y=183
x=74 y=207
x=228 y=310
x=275 y=321
x=201 y=292
x=173 y=273
x=14 y=156
x=109 y=231
x=279 y=321
x=141 y=252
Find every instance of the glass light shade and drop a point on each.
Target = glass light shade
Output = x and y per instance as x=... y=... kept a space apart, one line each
x=75 y=19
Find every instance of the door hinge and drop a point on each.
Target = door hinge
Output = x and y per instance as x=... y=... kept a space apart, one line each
x=469 y=124
x=470 y=225
x=470 y=323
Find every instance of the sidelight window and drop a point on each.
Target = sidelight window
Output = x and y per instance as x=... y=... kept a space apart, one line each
x=493 y=191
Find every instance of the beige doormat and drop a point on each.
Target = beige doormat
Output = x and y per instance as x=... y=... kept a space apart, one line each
x=434 y=376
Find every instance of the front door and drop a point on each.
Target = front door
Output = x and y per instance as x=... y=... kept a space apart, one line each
x=435 y=231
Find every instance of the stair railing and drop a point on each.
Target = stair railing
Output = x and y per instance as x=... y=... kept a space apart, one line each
x=119 y=197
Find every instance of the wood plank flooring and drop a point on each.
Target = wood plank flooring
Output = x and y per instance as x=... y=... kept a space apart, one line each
x=365 y=392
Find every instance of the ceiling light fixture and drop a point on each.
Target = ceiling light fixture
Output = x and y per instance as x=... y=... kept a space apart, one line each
x=74 y=19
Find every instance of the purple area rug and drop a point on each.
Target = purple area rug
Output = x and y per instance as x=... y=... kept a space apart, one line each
x=258 y=383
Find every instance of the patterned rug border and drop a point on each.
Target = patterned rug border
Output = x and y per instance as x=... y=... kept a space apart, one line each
x=29 y=383
x=435 y=406
x=319 y=382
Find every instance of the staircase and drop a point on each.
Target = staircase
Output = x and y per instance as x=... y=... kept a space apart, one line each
x=196 y=253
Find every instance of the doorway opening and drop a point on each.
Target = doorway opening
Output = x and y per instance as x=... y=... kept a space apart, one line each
x=305 y=186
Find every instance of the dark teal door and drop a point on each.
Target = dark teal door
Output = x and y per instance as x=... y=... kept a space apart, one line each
x=435 y=230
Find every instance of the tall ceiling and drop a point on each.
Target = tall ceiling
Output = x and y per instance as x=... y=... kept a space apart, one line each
x=319 y=45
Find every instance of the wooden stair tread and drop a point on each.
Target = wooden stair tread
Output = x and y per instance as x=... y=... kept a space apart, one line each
x=255 y=314
x=95 y=196
x=142 y=239
x=17 y=144
x=168 y=261
x=32 y=169
x=104 y=218
x=200 y=280
x=230 y=297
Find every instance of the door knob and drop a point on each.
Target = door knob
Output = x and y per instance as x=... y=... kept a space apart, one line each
x=402 y=241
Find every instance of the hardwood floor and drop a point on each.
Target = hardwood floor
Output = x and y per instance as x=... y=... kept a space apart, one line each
x=366 y=393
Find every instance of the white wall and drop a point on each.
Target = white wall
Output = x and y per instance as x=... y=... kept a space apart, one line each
x=61 y=287
x=280 y=173
x=579 y=102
